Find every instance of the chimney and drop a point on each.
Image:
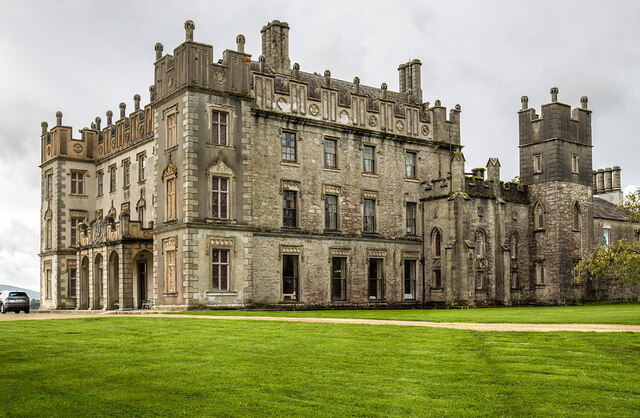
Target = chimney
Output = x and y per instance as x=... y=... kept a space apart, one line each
x=109 y=117
x=275 y=46
x=493 y=169
x=136 y=101
x=123 y=109
x=44 y=126
x=616 y=178
x=600 y=181
x=58 y=118
x=240 y=43
x=525 y=102
x=608 y=179
x=159 y=48
x=554 y=94
x=409 y=78
x=584 y=101
x=189 y=26
x=98 y=121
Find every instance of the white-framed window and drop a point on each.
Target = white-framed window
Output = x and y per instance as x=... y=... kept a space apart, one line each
x=49 y=184
x=112 y=178
x=77 y=182
x=369 y=159
x=73 y=279
x=220 y=197
x=171 y=130
x=411 y=211
x=537 y=163
x=142 y=167
x=409 y=279
x=126 y=173
x=338 y=278
x=171 y=202
x=289 y=153
x=220 y=269
x=376 y=278
x=331 y=212
x=290 y=277
x=100 y=181
x=369 y=215
x=575 y=164
x=219 y=127
x=331 y=153
x=289 y=208
x=410 y=165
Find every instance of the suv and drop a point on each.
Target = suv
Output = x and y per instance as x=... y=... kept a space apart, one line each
x=11 y=300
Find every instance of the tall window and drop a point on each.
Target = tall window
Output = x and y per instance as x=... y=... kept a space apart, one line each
x=75 y=221
x=411 y=218
x=338 y=278
x=142 y=167
x=575 y=164
x=540 y=272
x=369 y=159
x=537 y=163
x=126 y=173
x=606 y=236
x=369 y=218
x=141 y=216
x=576 y=217
x=77 y=182
x=171 y=130
x=436 y=250
x=73 y=276
x=410 y=165
x=290 y=277
x=289 y=146
x=100 y=180
x=219 y=127
x=480 y=244
x=220 y=197
x=409 y=279
x=331 y=212
x=171 y=199
x=112 y=178
x=437 y=243
x=48 y=232
x=330 y=153
x=289 y=215
x=48 y=287
x=220 y=269
x=375 y=279
x=49 y=184
x=538 y=213
x=170 y=270
x=514 y=261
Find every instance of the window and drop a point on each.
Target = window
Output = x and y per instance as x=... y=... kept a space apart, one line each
x=171 y=130
x=338 y=278
x=436 y=243
x=219 y=127
x=437 y=279
x=576 y=217
x=126 y=173
x=480 y=244
x=220 y=269
x=112 y=178
x=48 y=288
x=375 y=279
x=73 y=275
x=170 y=270
x=409 y=279
x=142 y=167
x=410 y=165
x=369 y=218
x=75 y=221
x=100 y=180
x=141 y=216
x=514 y=261
x=220 y=197
x=411 y=218
x=330 y=153
x=607 y=236
x=77 y=182
x=171 y=199
x=49 y=184
x=537 y=163
x=289 y=146
x=538 y=213
x=331 y=212
x=289 y=216
x=290 y=277
x=575 y=164
x=48 y=233
x=368 y=159
x=539 y=272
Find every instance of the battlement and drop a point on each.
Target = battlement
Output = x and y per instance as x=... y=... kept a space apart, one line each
x=274 y=86
x=558 y=121
x=96 y=142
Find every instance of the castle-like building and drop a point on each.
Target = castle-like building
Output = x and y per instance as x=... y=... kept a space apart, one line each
x=249 y=183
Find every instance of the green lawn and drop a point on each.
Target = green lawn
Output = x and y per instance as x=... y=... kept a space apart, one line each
x=594 y=313
x=145 y=366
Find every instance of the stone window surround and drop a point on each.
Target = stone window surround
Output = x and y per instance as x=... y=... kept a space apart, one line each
x=333 y=190
x=48 y=284
x=345 y=254
x=171 y=110
x=295 y=250
x=126 y=182
x=537 y=163
x=99 y=183
x=336 y=139
x=143 y=155
x=170 y=244
x=48 y=176
x=113 y=178
x=410 y=256
x=71 y=266
x=294 y=186
x=230 y=111
x=415 y=164
x=416 y=205
x=540 y=273
x=575 y=164
x=374 y=168
x=220 y=169
x=370 y=195
x=537 y=225
x=76 y=214
x=296 y=140
x=376 y=254
x=48 y=233
x=222 y=243
x=78 y=181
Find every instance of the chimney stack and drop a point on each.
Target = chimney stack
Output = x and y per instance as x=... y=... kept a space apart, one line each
x=44 y=126
x=109 y=117
x=123 y=109
x=189 y=27
x=275 y=46
x=240 y=43
x=136 y=101
x=58 y=118
x=159 y=48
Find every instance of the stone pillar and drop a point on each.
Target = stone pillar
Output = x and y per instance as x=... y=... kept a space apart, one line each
x=616 y=178
x=600 y=180
x=240 y=43
x=159 y=49
x=189 y=27
x=608 y=179
x=58 y=118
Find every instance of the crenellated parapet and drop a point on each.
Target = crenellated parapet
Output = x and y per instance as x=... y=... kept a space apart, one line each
x=97 y=142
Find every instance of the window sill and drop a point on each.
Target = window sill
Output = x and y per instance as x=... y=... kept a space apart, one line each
x=369 y=175
x=221 y=293
x=125 y=187
x=170 y=149
x=79 y=195
x=171 y=222
x=142 y=181
x=170 y=294
x=376 y=300
x=289 y=164
x=436 y=290
x=370 y=234
x=540 y=285
x=212 y=145
x=332 y=232
x=411 y=180
x=332 y=169
x=291 y=229
x=220 y=221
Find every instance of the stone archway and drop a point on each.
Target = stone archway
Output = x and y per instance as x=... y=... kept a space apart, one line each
x=83 y=294
x=98 y=279
x=142 y=279
x=113 y=279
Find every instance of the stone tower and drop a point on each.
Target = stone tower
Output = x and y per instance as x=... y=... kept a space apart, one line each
x=555 y=161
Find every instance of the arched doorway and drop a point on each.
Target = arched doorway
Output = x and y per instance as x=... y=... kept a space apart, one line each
x=142 y=280
x=98 y=277
x=112 y=285
x=83 y=296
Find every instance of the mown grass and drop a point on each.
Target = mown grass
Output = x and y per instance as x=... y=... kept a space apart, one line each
x=593 y=313
x=178 y=366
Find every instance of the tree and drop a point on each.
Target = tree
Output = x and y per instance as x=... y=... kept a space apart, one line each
x=621 y=259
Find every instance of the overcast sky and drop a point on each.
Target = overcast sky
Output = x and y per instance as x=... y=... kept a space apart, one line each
x=84 y=58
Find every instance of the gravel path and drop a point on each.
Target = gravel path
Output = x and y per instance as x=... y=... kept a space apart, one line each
x=453 y=325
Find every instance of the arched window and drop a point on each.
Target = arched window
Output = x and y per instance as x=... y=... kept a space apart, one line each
x=436 y=243
x=436 y=250
x=538 y=214
x=480 y=241
x=576 y=217
x=514 y=261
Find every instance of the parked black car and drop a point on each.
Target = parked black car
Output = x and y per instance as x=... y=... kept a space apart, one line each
x=10 y=300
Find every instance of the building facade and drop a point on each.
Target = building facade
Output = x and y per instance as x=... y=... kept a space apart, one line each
x=252 y=183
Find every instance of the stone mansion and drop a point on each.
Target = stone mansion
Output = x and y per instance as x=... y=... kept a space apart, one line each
x=250 y=182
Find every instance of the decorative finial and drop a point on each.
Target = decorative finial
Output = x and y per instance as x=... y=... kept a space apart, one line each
x=189 y=26
x=327 y=78
x=554 y=94
x=356 y=84
x=240 y=43
x=44 y=125
x=525 y=102
x=136 y=101
x=458 y=108
x=584 y=100
x=58 y=118
x=263 y=61
x=437 y=103
x=296 y=70
x=159 y=48
x=383 y=86
x=123 y=109
x=98 y=121
x=93 y=126
x=152 y=93
x=109 y=117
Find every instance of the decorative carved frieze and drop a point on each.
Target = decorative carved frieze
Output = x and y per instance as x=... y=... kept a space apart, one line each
x=377 y=253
